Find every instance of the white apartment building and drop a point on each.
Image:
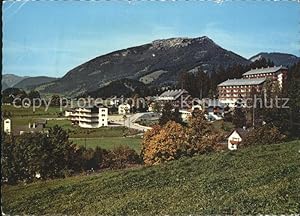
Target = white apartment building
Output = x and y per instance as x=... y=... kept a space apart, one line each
x=90 y=117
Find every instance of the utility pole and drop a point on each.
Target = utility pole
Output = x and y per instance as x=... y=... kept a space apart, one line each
x=201 y=85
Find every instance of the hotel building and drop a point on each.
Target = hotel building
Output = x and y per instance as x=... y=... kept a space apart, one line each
x=252 y=82
x=278 y=74
x=90 y=117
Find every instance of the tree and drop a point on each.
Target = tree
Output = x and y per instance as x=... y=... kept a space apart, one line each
x=55 y=100
x=239 y=117
x=120 y=157
x=9 y=167
x=199 y=133
x=165 y=143
x=263 y=135
x=8 y=95
x=169 y=115
x=156 y=107
x=293 y=84
x=34 y=95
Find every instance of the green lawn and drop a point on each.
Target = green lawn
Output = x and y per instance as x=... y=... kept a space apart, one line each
x=106 y=137
x=255 y=180
x=22 y=116
x=52 y=112
x=65 y=124
x=109 y=142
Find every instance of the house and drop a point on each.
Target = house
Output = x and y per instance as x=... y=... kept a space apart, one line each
x=90 y=117
x=38 y=126
x=235 y=138
x=185 y=115
x=69 y=112
x=114 y=101
x=215 y=110
x=123 y=109
x=196 y=107
x=7 y=126
x=172 y=95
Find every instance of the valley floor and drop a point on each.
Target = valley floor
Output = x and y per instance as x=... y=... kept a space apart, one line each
x=262 y=179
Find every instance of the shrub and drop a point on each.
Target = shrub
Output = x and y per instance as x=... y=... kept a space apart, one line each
x=164 y=143
x=263 y=135
x=121 y=157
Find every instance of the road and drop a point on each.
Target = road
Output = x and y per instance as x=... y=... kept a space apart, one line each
x=130 y=122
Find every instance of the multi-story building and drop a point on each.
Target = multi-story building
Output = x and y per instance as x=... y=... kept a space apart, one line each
x=90 y=117
x=233 y=89
x=277 y=73
x=252 y=83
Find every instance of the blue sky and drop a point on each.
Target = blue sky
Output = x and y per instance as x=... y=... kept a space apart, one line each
x=50 y=38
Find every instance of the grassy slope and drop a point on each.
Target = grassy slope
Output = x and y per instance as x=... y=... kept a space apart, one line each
x=253 y=180
x=110 y=142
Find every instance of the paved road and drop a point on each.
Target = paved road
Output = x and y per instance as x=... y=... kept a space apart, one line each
x=130 y=122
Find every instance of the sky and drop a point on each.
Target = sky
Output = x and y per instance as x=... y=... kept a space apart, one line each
x=49 y=38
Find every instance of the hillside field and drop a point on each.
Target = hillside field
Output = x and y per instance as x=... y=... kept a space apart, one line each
x=262 y=179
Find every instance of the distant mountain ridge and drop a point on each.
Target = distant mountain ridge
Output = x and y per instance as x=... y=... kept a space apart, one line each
x=284 y=59
x=156 y=63
x=32 y=82
x=24 y=82
x=9 y=80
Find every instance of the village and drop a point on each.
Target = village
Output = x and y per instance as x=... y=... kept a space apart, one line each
x=124 y=112
x=150 y=108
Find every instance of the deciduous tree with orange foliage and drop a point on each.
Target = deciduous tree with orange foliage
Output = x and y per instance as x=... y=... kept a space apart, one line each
x=164 y=143
x=172 y=141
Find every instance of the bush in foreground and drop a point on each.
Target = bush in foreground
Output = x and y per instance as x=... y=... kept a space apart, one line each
x=52 y=155
x=263 y=135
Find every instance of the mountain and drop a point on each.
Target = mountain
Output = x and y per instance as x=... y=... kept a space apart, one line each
x=31 y=82
x=10 y=79
x=156 y=63
x=278 y=58
x=4 y=86
x=123 y=87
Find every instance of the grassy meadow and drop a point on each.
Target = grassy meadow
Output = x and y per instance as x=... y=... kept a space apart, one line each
x=22 y=116
x=109 y=142
x=254 y=180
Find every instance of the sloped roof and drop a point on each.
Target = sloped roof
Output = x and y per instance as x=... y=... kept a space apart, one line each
x=172 y=94
x=232 y=82
x=242 y=132
x=264 y=70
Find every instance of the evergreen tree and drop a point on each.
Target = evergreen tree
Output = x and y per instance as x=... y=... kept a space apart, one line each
x=169 y=115
x=239 y=117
